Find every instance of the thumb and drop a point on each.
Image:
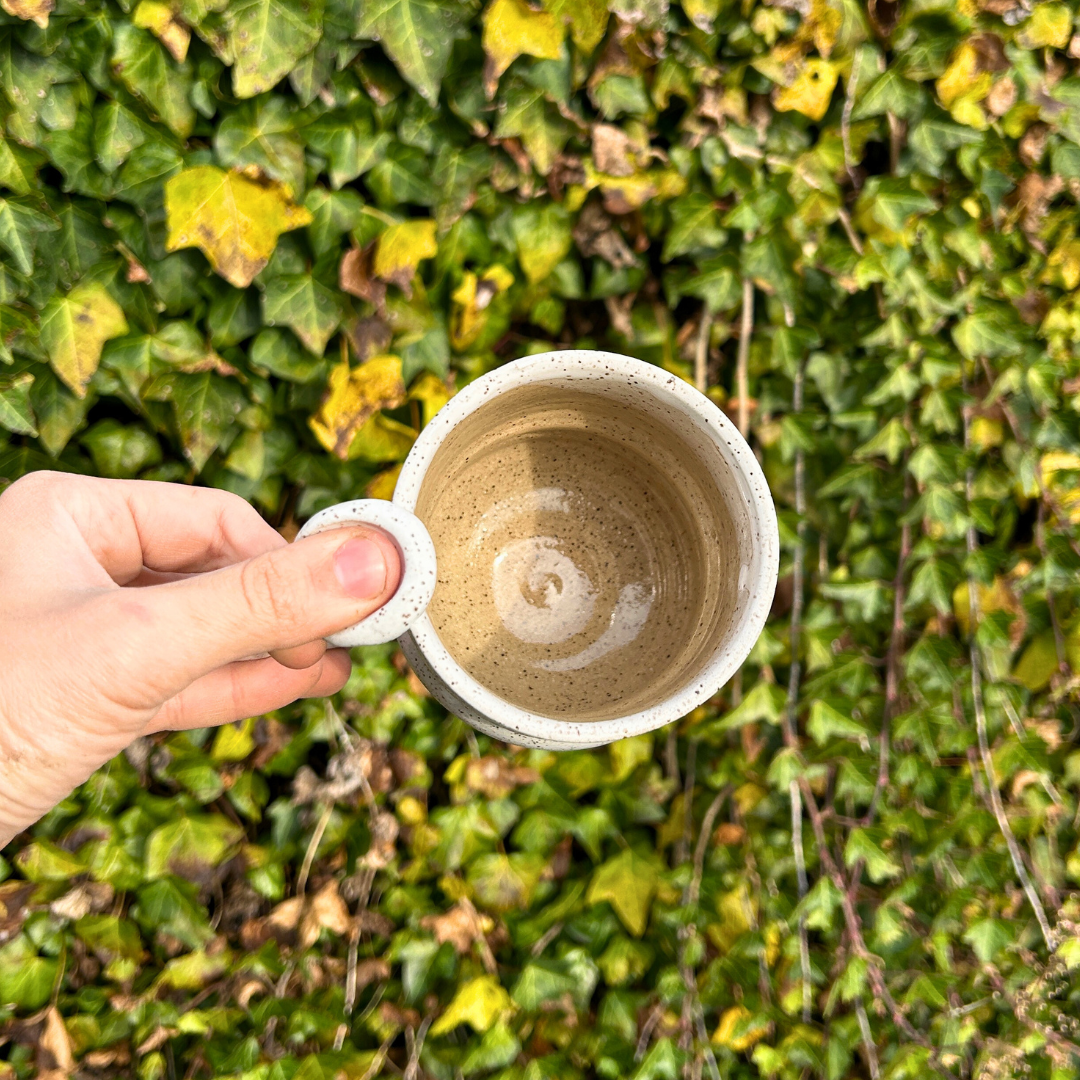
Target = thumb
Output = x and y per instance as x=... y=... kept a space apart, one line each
x=283 y=598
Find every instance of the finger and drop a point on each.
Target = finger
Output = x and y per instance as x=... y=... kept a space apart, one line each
x=175 y=633
x=301 y=656
x=250 y=688
x=74 y=524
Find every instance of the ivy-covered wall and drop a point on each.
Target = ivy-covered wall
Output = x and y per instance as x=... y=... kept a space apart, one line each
x=256 y=244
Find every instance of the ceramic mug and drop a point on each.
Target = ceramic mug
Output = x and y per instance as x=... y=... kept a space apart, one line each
x=589 y=546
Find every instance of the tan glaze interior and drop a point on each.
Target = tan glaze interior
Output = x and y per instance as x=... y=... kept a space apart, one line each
x=587 y=560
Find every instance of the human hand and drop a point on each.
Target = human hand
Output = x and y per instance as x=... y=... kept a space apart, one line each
x=128 y=607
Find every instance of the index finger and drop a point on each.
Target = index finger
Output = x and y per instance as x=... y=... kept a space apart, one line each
x=128 y=526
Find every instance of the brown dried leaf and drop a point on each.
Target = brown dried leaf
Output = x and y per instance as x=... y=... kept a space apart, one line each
x=323 y=911
x=1033 y=144
x=36 y=11
x=357 y=278
x=371 y=970
x=368 y=337
x=55 y=1060
x=596 y=234
x=613 y=150
x=494 y=777
x=461 y=926
x=14 y=903
x=1002 y=96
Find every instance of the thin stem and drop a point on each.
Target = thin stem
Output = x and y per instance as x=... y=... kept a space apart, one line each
x=701 y=352
x=791 y=711
x=746 y=330
x=694 y=888
x=993 y=795
x=845 y=127
x=867 y=1040
x=309 y=855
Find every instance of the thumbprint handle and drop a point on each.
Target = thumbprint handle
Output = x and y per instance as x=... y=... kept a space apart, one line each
x=418 y=571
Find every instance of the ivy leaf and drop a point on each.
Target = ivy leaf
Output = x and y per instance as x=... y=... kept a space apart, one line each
x=628 y=883
x=267 y=38
x=18 y=167
x=479 y=1003
x=401 y=248
x=355 y=395
x=543 y=237
x=206 y=407
x=160 y=20
x=15 y=412
x=418 y=36
x=20 y=226
x=75 y=327
x=306 y=306
x=234 y=221
x=190 y=846
x=36 y=11
x=513 y=29
x=811 y=91
x=695 y=227
x=150 y=73
x=263 y=134
x=588 y=20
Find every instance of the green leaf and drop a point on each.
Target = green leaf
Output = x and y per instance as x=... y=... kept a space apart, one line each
x=206 y=407
x=695 y=227
x=311 y=310
x=190 y=846
x=263 y=135
x=44 y=861
x=417 y=35
x=20 y=227
x=827 y=723
x=16 y=413
x=988 y=937
x=880 y=866
x=147 y=70
x=26 y=979
x=628 y=883
x=542 y=235
x=266 y=39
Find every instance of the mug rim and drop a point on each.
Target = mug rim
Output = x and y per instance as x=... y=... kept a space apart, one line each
x=536 y=728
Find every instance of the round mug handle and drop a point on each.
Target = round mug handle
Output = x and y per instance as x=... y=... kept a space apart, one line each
x=418 y=569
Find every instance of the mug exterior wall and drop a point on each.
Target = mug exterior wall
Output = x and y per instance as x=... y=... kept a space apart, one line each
x=668 y=397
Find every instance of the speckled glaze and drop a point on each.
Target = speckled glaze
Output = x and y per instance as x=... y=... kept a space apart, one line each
x=418 y=560
x=698 y=541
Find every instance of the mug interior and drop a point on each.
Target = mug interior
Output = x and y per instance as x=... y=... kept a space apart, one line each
x=592 y=547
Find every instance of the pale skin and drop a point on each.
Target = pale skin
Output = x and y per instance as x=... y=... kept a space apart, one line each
x=129 y=608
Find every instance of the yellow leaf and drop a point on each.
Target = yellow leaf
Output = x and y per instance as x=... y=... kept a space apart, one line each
x=588 y=20
x=233 y=742
x=739 y=1029
x=355 y=395
x=75 y=327
x=1048 y=27
x=479 y=1003
x=431 y=392
x=962 y=78
x=628 y=883
x=986 y=432
x=381 y=440
x=513 y=29
x=471 y=299
x=997 y=596
x=811 y=91
x=234 y=221
x=400 y=249
x=1063 y=266
x=382 y=487
x=159 y=19
x=32 y=10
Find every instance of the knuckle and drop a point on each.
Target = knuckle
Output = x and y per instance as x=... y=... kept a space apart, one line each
x=37 y=485
x=271 y=595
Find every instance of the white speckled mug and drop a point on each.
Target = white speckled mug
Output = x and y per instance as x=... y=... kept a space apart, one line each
x=590 y=551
